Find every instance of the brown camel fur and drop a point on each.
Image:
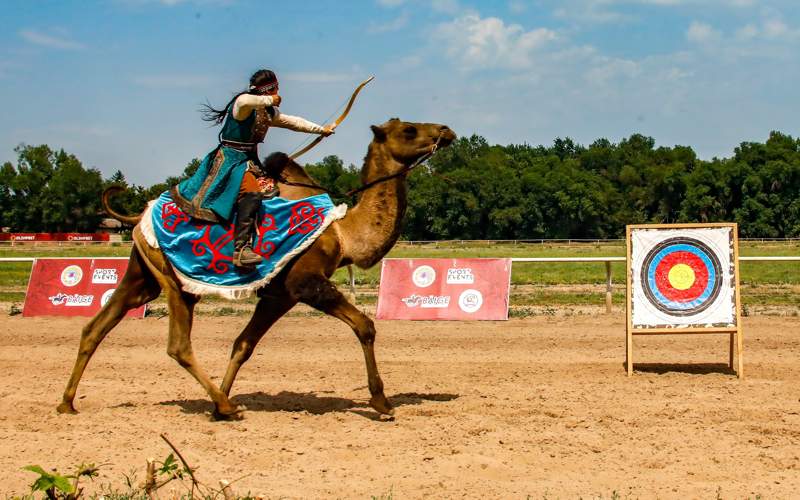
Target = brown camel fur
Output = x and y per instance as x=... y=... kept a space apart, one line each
x=362 y=237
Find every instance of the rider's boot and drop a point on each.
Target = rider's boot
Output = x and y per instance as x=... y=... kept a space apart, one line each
x=247 y=207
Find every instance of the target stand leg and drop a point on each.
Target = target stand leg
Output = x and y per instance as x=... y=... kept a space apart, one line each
x=731 y=352
x=629 y=352
x=739 y=348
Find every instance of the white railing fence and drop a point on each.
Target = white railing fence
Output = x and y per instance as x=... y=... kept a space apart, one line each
x=605 y=260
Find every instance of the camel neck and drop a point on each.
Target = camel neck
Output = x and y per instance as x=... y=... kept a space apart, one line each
x=372 y=226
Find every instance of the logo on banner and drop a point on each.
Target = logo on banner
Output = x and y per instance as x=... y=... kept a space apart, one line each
x=460 y=276
x=71 y=275
x=106 y=295
x=75 y=300
x=470 y=300
x=105 y=276
x=427 y=301
x=423 y=276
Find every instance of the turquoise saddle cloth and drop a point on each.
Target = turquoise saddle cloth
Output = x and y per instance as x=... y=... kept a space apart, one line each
x=202 y=252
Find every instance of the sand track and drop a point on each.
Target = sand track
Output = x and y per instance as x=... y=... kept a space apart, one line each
x=537 y=406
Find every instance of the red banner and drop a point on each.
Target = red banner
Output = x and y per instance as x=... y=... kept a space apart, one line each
x=74 y=287
x=444 y=289
x=76 y=237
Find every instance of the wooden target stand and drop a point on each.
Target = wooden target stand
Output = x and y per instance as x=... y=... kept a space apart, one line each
x=733 y=330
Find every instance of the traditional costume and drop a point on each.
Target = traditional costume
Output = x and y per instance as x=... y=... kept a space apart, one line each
x=227 y=176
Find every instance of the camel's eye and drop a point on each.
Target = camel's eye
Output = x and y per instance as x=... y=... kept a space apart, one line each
x=410 y=132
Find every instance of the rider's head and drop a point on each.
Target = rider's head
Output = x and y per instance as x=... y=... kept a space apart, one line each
x=264 y=82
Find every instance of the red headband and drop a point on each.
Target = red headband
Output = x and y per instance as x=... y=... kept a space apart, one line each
x=267 y=87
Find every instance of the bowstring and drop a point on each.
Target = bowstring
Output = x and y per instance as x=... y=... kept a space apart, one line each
x=310 y=137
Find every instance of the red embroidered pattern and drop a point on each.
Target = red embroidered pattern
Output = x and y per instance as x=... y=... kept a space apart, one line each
x=264 y=247
x=219 y=261
x=171 y=216
x=305 y=218
x=215 y=240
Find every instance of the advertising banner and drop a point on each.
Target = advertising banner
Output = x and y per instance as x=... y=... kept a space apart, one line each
x=74 y=287
x=36 y=237
x=444 y=289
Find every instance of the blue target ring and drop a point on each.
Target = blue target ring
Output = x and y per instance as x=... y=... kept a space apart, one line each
x=697 y=291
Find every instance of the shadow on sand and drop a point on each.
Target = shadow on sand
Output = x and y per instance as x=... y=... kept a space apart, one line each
x=694 y=368
x=310 y=402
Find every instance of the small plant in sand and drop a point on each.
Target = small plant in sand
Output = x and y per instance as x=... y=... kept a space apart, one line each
x=56 y=486
x=171 y=470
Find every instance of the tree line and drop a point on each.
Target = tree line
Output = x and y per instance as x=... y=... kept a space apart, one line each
x=474 y=190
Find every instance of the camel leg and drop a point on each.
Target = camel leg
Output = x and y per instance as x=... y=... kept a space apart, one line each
x=268 y=311
x=179 y=347
x=137 y=287
x=318 y=292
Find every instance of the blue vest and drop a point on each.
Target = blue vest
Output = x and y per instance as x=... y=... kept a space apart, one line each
x=210 y=194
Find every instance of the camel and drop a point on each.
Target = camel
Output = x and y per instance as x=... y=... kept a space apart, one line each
x=362 y=237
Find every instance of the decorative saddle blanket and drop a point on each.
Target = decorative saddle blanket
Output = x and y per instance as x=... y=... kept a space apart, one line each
x=202 y=253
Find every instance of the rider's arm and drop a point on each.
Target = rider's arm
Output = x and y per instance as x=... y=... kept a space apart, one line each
x=295 y=123
x=246 y=103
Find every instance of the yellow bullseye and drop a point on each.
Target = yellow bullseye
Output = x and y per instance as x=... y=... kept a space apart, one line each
x=681 y=277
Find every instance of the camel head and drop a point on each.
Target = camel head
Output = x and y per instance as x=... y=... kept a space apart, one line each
x=407 y=142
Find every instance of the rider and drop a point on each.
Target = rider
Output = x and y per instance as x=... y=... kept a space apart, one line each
x=228 y=175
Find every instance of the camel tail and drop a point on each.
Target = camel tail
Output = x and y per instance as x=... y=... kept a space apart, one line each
x=125 y=219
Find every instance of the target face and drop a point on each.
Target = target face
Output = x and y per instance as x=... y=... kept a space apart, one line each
x=682 y=277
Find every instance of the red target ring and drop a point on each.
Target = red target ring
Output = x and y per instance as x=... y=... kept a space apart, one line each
x=668 y=263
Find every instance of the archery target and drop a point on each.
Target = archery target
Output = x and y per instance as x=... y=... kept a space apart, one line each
x=683 y=277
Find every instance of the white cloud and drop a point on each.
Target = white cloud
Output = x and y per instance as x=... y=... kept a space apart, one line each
x=607 y=69
x=172 y=3
x=775 y=28
x=54 y=40
x=613 y=11
x=771 y=29
x=172 y=81
x=406 y=63
x=482 y=43
x=517 y=6
x=316 y=77
x=701 y=33
x=747 y=32
x=395 y=24
x=446 y=6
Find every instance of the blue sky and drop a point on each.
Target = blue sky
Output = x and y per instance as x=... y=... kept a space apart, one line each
x=119 y=82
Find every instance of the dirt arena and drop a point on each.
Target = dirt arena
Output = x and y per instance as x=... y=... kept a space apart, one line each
x=537 y=407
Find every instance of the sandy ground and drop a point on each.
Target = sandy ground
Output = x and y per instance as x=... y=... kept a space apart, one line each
x=538 y=406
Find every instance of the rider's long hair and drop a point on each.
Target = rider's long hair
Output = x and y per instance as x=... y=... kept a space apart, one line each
x=217 y=116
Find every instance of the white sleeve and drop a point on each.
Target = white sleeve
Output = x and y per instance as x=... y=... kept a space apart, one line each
x=295 y=123
x=246 y=103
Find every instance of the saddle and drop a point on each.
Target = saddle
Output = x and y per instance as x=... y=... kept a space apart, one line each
x=201 y=253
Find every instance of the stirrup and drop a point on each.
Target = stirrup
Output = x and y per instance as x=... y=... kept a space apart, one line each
x=253 y=260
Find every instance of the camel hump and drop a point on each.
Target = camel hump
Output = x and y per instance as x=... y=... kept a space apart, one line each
x=106 y=202
x=274 y=164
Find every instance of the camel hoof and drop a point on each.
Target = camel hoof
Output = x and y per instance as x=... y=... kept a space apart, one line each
x=382 y=405
x=66 y=409
x=229 y=416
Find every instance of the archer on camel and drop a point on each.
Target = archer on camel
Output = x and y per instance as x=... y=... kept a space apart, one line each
x=227 y=180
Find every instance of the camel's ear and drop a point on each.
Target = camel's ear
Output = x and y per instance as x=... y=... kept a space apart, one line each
x=380 y=134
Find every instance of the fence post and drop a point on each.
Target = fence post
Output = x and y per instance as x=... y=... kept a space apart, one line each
x=352 y=281
x=608 y=287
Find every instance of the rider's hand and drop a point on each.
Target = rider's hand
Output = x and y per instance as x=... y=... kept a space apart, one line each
x=276 y=100
x=327 y=130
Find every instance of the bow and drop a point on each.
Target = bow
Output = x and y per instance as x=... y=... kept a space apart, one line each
x=336 y=122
